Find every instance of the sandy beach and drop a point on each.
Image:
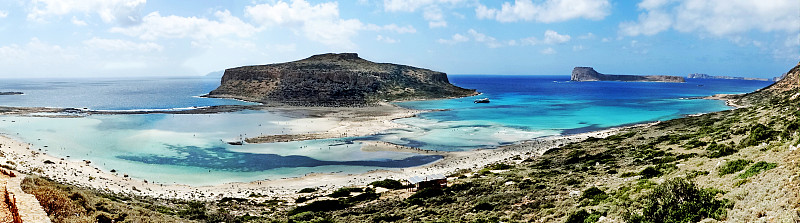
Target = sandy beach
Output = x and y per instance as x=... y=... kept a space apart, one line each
x=24 y=157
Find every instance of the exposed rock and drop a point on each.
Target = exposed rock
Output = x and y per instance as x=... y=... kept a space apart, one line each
x=10 y=93
x=706 y=76
x=334 y=80
x=589 y=74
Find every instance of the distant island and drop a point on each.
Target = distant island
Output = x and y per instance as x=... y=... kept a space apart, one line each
x=334 y=80
x=706 y=76
x=10 y=93
x=589 y=74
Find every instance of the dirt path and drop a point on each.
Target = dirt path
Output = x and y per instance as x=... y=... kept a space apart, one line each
x=5 y=210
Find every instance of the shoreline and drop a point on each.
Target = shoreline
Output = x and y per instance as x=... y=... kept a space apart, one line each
x=85 y=174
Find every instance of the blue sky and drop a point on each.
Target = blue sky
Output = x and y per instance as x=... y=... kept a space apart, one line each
x=109 y=38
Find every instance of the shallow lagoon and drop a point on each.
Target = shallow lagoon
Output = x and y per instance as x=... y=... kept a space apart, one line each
x=192 y=149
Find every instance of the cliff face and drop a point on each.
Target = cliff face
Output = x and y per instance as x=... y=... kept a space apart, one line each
x=334 y=80
x=589 y=74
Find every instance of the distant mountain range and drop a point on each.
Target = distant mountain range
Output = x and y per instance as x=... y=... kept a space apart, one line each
x=706 y=76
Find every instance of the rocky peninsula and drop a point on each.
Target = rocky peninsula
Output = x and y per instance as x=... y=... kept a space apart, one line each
x=706 y=76
x=589 y=74
x=335 y=80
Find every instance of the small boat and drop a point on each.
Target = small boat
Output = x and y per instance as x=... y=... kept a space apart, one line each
x=236 y=143
x=482 y=100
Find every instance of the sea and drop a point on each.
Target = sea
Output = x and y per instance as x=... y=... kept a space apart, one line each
x=192 y=148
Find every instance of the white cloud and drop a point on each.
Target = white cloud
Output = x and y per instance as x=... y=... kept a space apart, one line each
x=548 y=51
x=547 y=12
x=714 y=17
x=121 y=45
x=392 y=28
x=432 y=9
x=318 y=22
x=434 y=17
x=587 y=36
x=3 y=14
x=457 y=38
x=154 y=26
x=552 y=37
x=78 y=22
x=578 y=48
x=122 y=11
x=413 y=5
x=385 y=39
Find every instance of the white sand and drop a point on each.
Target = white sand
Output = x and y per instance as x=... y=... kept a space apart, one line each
x=83 y=174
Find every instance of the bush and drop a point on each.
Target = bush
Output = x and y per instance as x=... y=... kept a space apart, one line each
x=582 y=216
x=388 y=184
x=758 y=134
x=594 y=193
x=483 y=206
x=719 y=150
x=680 y=200
x=308 y=190
x=733 y=166
x=427 y=193
x=319 y=206
x=650 y=172
x=757 y=168
x=344 y=192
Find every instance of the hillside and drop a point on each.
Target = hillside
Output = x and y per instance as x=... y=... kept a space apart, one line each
x=334 y=80
x=589 y=74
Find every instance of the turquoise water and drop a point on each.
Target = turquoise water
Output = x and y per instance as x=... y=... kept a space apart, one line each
x=192 y=149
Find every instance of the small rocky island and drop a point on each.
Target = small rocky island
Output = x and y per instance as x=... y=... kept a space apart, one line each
x=334 y=80
x=589 y=74
x=10 y=93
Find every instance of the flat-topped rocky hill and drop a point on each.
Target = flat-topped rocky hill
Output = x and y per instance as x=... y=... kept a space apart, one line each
x=335 y=80
x=589 y=74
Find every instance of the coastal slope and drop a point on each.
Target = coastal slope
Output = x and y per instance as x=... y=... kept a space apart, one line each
x=589 y=74
x=334 y=80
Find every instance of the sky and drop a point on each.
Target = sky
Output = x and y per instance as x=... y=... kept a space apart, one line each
x=121 y=38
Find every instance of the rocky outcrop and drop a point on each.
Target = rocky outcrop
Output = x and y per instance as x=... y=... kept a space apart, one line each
x=706 y=76
x=589 y=74
x=334 y=80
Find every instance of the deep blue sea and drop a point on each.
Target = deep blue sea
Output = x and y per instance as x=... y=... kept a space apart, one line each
x=192 y=149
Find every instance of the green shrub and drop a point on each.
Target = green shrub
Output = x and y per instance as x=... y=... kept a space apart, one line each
x=582 y=216
x=388 y=184
x=594 y=193
x=694 y=143
x=483 y=206
x=344 y=192
x=758 y=134
x=427 y=193
x=319 y=206
x=680 y=200
x=308 y=190
x=366 y=196
x=627 y=174
x=757 y=168
x=650 y=172
x=696 y=173
x=733 y=166
x=719 y=150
